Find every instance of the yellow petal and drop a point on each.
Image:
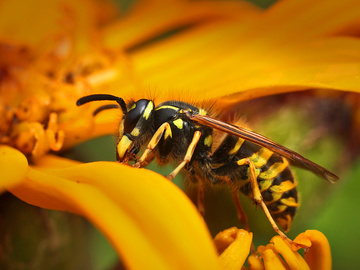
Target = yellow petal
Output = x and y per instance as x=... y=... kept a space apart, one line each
x=319 y=255
x=143 y=214
x=224 y=238
x=148 y=20
x=236 y=253
x=332 y=63
x=231 y=59
x=292 y=258
x=51 y=161
x=271 y=260
x=307 y=19
x=13 y=167
x=255 y=262
x=47 y=21
x=80 y=125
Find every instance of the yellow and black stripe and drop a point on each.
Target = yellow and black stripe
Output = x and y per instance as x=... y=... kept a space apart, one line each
x=274 y=177
x=182 y=133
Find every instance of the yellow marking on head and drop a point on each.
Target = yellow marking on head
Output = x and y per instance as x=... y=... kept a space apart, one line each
x=132 y=107
x=123 y=145
x=135 y=132
x=274 y=170
x=202 y=112
x=261 y=157
x=283 y=187
x=121 y=129
x=148 y=110
x=236 y=147
x=168 y=133
x=178 y=123
x=167 y=107
x=208 y=141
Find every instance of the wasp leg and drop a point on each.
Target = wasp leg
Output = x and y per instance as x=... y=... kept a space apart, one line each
x=240 y=211
x=258 y=198
x=241 y=214
x=146 y=158
x=200 y=196
x=150 y=157
x=188 y=155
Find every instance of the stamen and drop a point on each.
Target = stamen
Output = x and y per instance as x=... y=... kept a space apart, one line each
x=54 y=135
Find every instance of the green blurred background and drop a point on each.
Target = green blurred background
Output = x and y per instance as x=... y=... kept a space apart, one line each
x=319 y=126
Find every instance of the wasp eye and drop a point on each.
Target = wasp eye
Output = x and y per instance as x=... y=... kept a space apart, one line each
x=134 y=114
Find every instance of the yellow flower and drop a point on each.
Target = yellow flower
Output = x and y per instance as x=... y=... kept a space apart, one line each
x=245 y=52
x=229 y=51
x=234 y=246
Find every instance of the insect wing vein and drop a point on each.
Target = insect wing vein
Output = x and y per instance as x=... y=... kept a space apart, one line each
x=295 y=158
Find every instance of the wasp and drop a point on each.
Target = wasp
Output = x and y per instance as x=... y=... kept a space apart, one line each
x=182 y=133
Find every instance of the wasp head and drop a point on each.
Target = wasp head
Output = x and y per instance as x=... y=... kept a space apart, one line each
x=134 y=127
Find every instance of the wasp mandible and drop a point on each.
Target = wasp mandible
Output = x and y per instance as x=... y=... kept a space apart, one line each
x=182 y=133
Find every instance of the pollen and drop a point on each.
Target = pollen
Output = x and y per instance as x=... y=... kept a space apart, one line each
x=31 y=123
x=38 y=96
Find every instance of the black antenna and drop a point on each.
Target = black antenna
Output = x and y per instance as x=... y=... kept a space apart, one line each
x=105 y=107
x=99 y=97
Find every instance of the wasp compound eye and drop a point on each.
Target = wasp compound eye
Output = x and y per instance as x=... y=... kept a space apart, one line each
x=134 y=114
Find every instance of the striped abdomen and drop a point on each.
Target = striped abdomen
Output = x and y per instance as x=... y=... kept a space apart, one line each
x=274 y=177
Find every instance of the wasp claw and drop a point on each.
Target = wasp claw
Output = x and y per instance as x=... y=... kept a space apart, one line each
x=137 y=165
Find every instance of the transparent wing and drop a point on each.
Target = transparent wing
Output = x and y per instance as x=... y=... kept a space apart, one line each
x=295 y=158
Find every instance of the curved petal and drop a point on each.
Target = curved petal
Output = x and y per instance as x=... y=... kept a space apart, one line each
x=48 y=21
x=271 y=260
x=255 y=262
x=319 y=255
x=82 y=125
x=13 y=167
x=148 y=20
x=54 y=162
x=292 y=258
x=142 y=213
x=307 y=19
x=332 y=63
x=236 y=59
x=238 y=244
x=249 y=70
